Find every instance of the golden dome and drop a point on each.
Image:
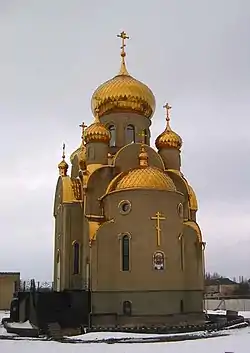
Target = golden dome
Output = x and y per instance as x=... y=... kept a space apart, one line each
x=169 y=138
x=97 y=132
x=80 y=152
x=123 y=93
x=63 y=165
x=193 y=204
x=143 y=177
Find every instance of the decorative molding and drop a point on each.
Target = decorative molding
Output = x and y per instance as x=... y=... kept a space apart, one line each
x=121 y=235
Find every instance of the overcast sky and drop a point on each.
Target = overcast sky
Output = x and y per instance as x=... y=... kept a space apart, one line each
x=194 y=54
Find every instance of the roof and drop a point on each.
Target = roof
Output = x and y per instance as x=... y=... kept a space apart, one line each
x=221 y=281
x=9 y=273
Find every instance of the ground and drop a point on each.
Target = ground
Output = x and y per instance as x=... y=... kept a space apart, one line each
x=237 y=341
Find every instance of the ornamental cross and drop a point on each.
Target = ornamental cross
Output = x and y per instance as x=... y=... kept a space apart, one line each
x=83 y=126
x=63 y=155
x=123 y=35
x=168 y=108
x=158 y=217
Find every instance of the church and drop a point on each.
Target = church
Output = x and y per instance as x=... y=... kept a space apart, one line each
x=125 y=215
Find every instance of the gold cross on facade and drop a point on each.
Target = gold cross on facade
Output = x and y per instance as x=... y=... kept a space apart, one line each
x=123 y=35
x=158 y=217
x=143 y=135
x=168 y=108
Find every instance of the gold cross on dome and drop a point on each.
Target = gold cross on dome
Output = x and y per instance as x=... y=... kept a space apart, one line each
x=83 y=126
x=63 y=155
x=168 y=108
x=123 y=35
x=158 y=217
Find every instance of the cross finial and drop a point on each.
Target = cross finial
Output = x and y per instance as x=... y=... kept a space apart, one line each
x=63 y=155
x=83 y=126
x=168 y=108
x=123 y=35
x=97 y=118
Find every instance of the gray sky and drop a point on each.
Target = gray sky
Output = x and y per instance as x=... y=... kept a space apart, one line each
x=194 y=54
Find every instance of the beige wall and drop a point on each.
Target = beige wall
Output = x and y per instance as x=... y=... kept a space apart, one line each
x=7 y=287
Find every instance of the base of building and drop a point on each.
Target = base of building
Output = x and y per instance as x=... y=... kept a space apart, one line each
x=114 y=320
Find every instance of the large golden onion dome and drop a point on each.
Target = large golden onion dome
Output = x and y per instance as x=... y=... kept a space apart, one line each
x=63 y=165
x=168 y=138
x=97 y=132
x=123 y=92
x=143 y=177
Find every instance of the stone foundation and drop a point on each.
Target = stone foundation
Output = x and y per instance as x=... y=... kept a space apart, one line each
x=114 y=320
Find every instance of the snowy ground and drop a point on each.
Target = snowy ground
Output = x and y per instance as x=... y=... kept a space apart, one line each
x=237 y=341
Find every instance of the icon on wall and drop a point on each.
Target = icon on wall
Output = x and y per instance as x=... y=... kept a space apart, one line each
x=158 y=260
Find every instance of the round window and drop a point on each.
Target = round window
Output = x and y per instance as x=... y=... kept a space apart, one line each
x=124 y=207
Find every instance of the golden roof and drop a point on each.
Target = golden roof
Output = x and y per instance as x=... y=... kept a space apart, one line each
x=168 y=138
x=123 y=92
x=97 y=132
x=63 y=166
x=71 y=190
x=80 y=152
x=193 y=204
x=143 y=177
x=196 y=228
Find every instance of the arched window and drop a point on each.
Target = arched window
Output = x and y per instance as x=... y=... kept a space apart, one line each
x=112 y=131
x=145 y=134
x=130 y=134
x=76 y=258
x=127 y=308
x=125 y=253
x=58 y=256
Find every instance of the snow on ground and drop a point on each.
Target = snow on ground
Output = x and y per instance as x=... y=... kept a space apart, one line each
x=237 y=342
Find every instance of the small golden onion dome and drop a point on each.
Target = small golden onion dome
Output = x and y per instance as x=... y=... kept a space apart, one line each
x=192 y=199
x=63 y=165
x=97 y=132
x=168 y=138
x=144 y=177
x=123 y=92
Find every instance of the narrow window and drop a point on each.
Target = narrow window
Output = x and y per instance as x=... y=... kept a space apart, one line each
x=182 y=251
x=127 y=308
x=130 y=134
x=113 y=135
x=181 y=306
x=76 y=258
x=125 y=253
x=145 y=134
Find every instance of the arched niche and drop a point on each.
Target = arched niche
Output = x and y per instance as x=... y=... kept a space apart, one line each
x=112 y=130
x=130 y=134
x=128 y=157
x=96 y=187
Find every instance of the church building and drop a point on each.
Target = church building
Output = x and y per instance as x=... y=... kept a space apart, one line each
x=125 y=215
